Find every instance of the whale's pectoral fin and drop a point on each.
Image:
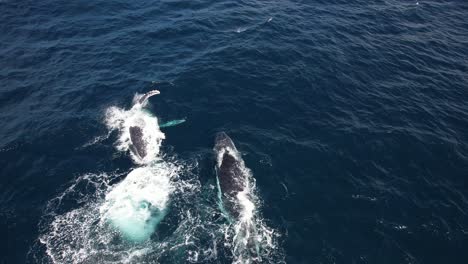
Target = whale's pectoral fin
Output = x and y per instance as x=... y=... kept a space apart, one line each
x=172 y=123
x=144 y=99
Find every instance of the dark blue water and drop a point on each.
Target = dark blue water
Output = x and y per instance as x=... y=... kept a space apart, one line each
x=351 y=115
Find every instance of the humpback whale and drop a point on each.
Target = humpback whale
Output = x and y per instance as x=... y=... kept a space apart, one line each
x=231 y=174
x=138 y=144
x=237 y=200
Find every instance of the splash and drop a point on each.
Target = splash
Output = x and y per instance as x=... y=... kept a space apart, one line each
x=95 y=221
x=137 y=204
x=121 y=120
x=253 y=240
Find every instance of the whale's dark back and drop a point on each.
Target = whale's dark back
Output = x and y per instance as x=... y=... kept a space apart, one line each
x=230 y=175
x=138 y=146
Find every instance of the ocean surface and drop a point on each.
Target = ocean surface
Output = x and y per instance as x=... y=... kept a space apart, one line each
x=351 y=117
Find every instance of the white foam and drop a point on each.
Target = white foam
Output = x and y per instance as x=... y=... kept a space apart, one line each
x=106 y=220
x=137 y=204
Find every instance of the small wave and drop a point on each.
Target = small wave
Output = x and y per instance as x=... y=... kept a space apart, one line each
x=241 y=29
x=363 y=197
x=256 y=25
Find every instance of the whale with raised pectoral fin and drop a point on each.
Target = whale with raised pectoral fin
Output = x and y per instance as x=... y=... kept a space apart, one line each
x=142 y=142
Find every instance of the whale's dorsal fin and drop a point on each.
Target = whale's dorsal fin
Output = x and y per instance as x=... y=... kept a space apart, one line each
x=144 y=99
